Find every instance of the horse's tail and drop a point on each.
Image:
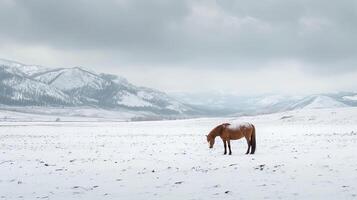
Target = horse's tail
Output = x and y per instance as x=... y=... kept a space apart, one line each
x=253 y=141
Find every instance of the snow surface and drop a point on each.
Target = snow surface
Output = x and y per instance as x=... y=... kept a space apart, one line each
x=325 y=102
x=301 y=154
x=32 y=69
x=237 y=125
x=352 y=98
x=71 y=78
x=75 y=78
x=271 y=100
x=25 y=86
x=69 y=114
x=131 y=100
x=21 y=69
x=318 y=102
x=48 y=76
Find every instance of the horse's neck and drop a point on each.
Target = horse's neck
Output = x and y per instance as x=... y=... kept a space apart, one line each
x=215 y=134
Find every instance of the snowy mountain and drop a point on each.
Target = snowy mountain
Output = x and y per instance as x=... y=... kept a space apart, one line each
x=235 y=105
x=18 y=89
x=316 y=102
x=350 y=98
x=31 y=85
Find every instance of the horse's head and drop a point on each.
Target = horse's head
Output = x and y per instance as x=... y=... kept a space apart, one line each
x=210 y=140
x=214 y=133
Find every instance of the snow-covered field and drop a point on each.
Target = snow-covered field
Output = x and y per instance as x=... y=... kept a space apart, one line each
x=302 y=154
x=70 y=114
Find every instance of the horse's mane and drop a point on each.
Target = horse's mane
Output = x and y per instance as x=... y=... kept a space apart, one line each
x=218 y=129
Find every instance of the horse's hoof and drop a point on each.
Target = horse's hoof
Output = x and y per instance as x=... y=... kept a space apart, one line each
x=230 y=153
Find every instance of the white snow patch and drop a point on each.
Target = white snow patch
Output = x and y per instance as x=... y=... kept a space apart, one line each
x=131 y=100
x=76 y=78
x=235 y=125
x=19 y=68
x=176 y=106
x=324 y=102
x=29 y=86
x=352 y=98
x=145 y=95
x=271 y=100
x=48 y=76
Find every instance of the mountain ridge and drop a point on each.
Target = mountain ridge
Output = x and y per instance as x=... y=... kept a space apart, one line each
x=36 y=85
x=77 y=86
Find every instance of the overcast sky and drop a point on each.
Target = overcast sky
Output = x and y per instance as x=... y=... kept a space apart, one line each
x=240 y=47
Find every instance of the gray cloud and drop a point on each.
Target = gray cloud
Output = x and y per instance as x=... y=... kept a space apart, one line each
x=321 y=36
x=89 y=24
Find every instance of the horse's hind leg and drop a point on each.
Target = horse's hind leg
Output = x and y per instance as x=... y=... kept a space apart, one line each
x=249 y=145
x=229 y=146
x=225 y=147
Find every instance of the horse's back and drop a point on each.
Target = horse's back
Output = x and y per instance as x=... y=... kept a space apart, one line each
x=239 y=126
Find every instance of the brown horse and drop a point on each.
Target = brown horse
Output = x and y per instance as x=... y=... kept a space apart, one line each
x=229 y=132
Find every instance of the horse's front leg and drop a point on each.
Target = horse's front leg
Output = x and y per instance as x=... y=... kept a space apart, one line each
x=225 y=147
x=229 y=146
